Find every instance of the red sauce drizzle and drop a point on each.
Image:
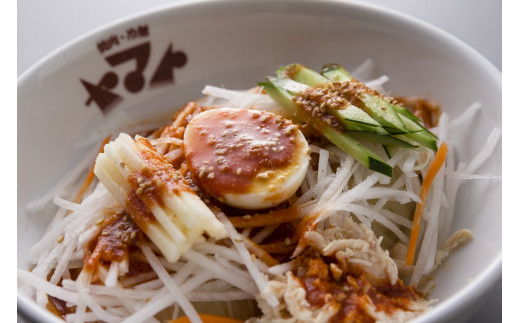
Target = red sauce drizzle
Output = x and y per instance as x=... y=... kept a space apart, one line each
x=150 y=183
x=229 y=148
x=118 y=234
x=349 y=292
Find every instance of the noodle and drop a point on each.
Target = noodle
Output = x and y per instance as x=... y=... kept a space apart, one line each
x=344 y=225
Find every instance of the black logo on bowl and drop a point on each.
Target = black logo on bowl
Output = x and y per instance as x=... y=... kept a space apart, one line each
x=102 y=92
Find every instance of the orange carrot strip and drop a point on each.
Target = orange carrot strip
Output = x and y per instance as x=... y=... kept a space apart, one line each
x=90 y=176
x=307 y=224
x=207 y=318
x=262 y=220
x=260 y=253
x=437 y=163
x=278 y=247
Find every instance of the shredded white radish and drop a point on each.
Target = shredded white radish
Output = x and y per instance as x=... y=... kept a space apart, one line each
x=337 y=189
x=170 y=284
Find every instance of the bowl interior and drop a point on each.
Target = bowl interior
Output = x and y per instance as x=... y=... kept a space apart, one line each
x=69 y=101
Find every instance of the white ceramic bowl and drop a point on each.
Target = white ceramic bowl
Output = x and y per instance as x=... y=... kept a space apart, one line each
x=236 y=44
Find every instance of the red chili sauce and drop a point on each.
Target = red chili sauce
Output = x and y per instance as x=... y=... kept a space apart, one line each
x=227 y=148
x=150 y=183
x=117 y=235
x=348 y=292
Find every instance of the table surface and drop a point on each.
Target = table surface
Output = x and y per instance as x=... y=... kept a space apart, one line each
x=44 y=26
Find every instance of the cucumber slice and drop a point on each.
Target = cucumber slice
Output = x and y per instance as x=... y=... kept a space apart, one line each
x=355 y=119
x=420 y=137
x=345 y=142
x=358 y=151
x=386 y=140
x=336 y=73
x=383 y=112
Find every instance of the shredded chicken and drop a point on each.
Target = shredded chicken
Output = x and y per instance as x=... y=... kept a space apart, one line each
x=343 y=274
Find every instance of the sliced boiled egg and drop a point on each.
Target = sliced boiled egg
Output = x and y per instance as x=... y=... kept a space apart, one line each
x=247 y=159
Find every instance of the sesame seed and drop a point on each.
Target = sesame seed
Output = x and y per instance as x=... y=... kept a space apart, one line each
x=262 y=176
x=287 y=241
x=211 y=175
x=238 y=239
x=220 y=152
x=247 y=216
x=61 y=238
x=122 y=165
x=239 y=171
x=105 y=233
x=139 y=191
x=139 y=180
x=132 y=235
x=265 y=175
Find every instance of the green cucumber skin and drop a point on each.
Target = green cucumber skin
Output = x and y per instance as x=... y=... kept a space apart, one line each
x=385 y=140
x=358 y=151
x=377 y=108
x=345 y=142
x=377 y=120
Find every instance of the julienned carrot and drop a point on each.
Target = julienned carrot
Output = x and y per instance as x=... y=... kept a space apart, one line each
x=207 y=318
x=308 y=223
x=260 y=253
x=262 y=220
x=90 y=175
x=436 y=165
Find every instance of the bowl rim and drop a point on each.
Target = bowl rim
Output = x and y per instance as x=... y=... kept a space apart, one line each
x=464 y=298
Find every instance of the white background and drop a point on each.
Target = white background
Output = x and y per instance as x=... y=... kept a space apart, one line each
x=45 y=25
